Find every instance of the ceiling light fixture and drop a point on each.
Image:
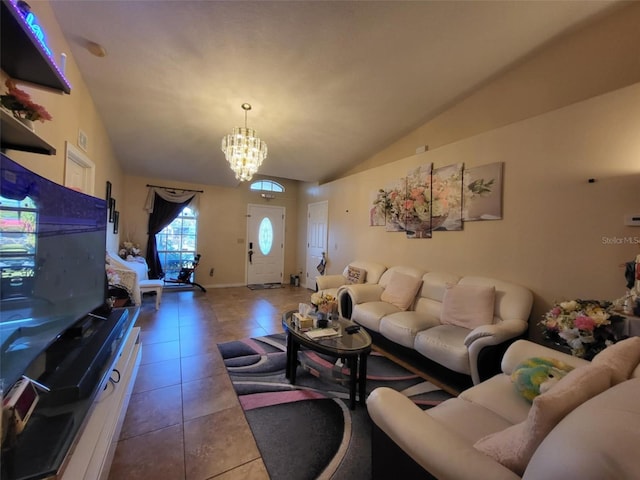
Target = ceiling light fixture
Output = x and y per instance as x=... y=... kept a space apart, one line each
x=245 y=152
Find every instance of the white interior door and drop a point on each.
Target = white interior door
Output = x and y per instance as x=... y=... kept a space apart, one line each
x=317 y=238
x=265 y=244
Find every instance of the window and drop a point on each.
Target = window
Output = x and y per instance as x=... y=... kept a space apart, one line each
x=267 y=186
x=265 y=236
x=177 y=243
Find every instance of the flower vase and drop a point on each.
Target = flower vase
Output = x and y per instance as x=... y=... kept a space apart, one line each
x=26 y=122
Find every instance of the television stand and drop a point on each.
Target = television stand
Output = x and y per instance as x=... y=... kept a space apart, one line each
x=73 y=431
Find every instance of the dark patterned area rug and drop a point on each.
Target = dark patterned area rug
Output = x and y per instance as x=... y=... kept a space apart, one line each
x=307 y=431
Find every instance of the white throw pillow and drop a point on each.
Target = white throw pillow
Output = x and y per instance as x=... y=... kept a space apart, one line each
x=401 y=290
x=356 y=275
x=468 y=306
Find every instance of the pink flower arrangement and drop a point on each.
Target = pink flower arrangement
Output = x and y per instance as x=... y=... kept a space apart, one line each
x=585 y=326
x=20 y=103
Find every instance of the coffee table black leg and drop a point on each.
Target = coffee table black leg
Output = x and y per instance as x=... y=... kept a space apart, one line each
x=362 y=374
x=289 y=354
x=353 y=370
x=294 y=361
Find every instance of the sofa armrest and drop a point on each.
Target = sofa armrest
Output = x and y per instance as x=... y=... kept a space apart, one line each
x=441 y=452
x=362 y=293
x=497 y=333
x=520 y=350
x=490 y=336
x=325 y=282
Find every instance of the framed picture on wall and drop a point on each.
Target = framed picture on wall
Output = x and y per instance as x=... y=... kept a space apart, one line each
x=112 y=209
x=116 y=220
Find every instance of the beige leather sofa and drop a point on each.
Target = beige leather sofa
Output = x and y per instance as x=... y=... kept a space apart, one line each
x=329 y=284
x=449 y=319
x=595 y=437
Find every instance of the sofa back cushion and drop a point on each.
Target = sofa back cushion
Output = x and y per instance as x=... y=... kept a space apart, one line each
x=468 y=306
x=374 y=270
x=401 y=289
x=511 y=301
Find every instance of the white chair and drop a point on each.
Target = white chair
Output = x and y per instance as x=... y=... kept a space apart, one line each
x=152 y=286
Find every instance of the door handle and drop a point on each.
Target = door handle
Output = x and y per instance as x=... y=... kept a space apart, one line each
x=250 y=256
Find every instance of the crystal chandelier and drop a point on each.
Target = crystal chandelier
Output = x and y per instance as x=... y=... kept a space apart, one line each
x=245 y=152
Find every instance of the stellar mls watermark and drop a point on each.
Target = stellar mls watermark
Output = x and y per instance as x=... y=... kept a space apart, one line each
x=620 y=240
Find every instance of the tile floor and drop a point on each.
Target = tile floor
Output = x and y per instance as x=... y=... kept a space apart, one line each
x=184 y=420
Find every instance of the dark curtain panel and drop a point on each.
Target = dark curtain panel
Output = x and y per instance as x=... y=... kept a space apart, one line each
x=163 y=214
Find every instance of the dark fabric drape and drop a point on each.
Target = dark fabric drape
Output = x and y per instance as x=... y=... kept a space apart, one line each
x=163 y=214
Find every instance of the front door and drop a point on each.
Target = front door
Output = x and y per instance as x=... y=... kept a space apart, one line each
x=265 y=244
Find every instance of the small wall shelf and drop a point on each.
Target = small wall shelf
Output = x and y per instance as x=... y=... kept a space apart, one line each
x=22 y=56
x=16 y=136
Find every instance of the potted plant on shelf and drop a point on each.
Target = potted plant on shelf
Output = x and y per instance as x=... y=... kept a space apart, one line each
x=23 y=108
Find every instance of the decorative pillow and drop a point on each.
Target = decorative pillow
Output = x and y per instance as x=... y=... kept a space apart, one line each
x=514 y=446
x=468 y=306
x=356 y=275
x=623 y=357
x=536 y=375
x=401 y=290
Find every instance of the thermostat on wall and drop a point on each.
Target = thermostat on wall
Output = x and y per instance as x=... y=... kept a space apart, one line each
x=632 y=220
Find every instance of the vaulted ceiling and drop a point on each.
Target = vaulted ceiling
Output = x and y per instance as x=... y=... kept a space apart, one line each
x=330 y=82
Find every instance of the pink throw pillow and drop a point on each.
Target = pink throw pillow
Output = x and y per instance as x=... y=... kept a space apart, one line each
x=468 y=306
x=514 y=446
x=401 y=290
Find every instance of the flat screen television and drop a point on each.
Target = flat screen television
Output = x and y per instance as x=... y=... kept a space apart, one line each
x=52 y=264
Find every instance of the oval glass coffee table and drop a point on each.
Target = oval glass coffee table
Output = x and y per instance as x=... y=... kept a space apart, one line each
x=353 y=348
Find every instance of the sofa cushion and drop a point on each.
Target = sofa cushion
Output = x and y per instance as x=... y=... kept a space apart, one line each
x=469 y=420
x=514 y=446
x=623 y=357
x=402 y=327
x=369 y=314
x=401 y=290
x=496 y=394
x=603 y=434
x=468 y=306
x=356 y=275
x=444 y=344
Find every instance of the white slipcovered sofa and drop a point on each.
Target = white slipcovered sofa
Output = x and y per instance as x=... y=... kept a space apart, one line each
x=586 y=426
x=446 y=318
x=362 y=272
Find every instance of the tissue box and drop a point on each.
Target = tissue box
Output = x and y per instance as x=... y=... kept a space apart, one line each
x=302 y=322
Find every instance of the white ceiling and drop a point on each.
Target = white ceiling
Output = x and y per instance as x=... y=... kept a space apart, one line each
x=331 y=82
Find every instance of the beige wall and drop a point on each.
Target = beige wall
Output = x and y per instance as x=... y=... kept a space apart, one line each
x=70 y=113
x=568 y=113
x=222 y=225
x=553 y=124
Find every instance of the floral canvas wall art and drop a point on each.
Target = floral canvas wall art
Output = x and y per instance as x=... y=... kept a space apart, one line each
x=417 y=204
x=483 y=192
x=377 y=212
x=395 y=194
x=446 y=194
